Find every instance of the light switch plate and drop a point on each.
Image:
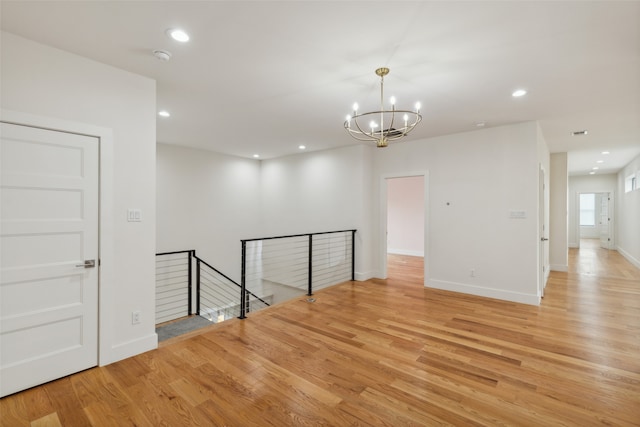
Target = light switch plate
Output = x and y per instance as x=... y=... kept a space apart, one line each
x=134 y=215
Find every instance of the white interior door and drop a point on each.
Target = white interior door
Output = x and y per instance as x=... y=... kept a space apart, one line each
x=544 y=240
x=48 y=298
x=604 y=220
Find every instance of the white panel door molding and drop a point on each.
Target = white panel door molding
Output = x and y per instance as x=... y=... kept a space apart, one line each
x=48 y=297
x=604 y=220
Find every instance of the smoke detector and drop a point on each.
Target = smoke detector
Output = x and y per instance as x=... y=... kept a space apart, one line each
x=162 y=55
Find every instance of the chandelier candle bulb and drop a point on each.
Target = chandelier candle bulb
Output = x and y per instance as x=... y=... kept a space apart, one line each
x=387 y=132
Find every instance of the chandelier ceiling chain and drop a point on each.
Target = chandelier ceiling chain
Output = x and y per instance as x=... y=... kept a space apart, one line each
x=384 y=132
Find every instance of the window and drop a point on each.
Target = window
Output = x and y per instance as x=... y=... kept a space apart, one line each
x=631 y=182
x=587 y=209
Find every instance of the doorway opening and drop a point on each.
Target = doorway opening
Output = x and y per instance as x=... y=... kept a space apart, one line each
x=404 y=225
x=595 y=219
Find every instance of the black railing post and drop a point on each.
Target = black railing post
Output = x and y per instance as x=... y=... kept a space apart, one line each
x=190 y=289
x=197 y=286
x=243 y=284
x=310 y=285
x=353 y=255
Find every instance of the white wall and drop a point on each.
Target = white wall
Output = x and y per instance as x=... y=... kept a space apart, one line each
x=559 y=213
x=208 y=202
x=628 y=215
x=590 y=184
x=475 y=180
x=405 y=215
x=43 y=81
x=321 y=191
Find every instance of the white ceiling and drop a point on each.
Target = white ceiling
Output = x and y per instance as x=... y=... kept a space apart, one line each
x=265 y=76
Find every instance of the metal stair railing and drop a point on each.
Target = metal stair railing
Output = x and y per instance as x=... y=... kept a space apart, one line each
x=186 y=285
x=284 y=267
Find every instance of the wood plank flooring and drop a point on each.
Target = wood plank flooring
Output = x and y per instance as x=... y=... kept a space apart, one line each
x=382 y=353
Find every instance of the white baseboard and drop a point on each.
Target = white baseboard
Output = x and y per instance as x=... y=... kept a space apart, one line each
x=574 y=245
x=628 y=257
x=484 y=292
x=559 y=267
x=405 y=252
x=364 y=275
x=131 y=348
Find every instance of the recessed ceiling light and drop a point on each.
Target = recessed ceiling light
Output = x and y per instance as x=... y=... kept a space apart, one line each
x=518 y=93
x=605 y=152
x=599 y=161
x=592 y=173
x=579 y=132
x=302 y=147
x=164 y=113
x=255 y=156
x=595 y=168
x=178 y=34
x=480 y=124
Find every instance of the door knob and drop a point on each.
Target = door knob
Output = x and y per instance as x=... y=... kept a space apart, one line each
x=544 y=239
x=88 y=263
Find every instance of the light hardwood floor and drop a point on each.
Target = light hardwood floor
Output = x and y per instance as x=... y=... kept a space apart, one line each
x=382 y=353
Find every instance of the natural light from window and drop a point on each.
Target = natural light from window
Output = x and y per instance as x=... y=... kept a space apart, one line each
x=631 y=182
x=587 y=209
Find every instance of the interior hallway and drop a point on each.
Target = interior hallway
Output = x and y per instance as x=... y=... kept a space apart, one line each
x=591 y=259
x=382 y=352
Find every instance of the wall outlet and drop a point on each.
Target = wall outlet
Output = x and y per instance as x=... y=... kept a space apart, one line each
x=473 y=272
x=135 y=317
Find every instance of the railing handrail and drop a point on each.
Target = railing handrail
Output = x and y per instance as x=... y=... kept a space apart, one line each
x=216 y=270
x=296 y=235
x=176 y=252
x=245 y=294
x=243 y=282
x=191 y=253
x=227 y=277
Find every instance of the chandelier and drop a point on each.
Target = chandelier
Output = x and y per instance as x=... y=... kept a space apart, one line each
x=383 y=126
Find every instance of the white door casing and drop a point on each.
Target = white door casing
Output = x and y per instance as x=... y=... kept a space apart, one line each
x=604 y=220
x=544 y=240
x=383 y=208
x=48 y=299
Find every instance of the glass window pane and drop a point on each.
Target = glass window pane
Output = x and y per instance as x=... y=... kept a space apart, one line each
x=587 y=209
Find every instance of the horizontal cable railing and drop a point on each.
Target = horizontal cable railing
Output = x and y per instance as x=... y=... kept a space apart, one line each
x=285 y=267
x=274 y=269
x=185 y=281
x=219 y=297
x=173 y=285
